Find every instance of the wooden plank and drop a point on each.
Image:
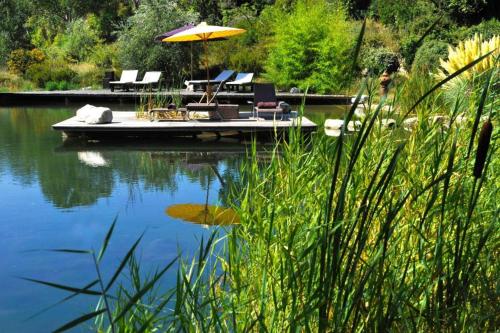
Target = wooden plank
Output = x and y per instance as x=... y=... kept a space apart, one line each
x=95 y=96
x=126 y=123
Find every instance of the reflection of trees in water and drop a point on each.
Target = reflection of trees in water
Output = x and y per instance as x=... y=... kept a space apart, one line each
x=23 y=143
x=67 y=182
x=27 y=150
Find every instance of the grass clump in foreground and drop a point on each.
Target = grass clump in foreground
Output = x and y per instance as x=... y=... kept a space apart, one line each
x=380 y=230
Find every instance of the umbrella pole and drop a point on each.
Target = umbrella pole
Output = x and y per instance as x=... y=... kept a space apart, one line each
x=209 y=88
x=191 y=67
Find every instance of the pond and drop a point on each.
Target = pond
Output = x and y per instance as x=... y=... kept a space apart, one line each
x=56 y=194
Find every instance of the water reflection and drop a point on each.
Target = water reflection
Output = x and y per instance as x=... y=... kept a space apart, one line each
x=203 y=214
x=57 y=194
x=78 y=173
x=92 y=158
x=157 y=164
x=64 y=194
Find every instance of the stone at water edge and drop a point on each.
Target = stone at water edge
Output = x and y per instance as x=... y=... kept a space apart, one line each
x=388 y=123
x=410 y=123
x=334 y=123
x=333 y=126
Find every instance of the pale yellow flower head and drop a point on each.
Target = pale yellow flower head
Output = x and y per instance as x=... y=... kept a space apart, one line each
x=466 y=52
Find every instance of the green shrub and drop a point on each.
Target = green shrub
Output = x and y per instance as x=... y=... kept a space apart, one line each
x=51 y=85
x=4 y=48
x=55 y=70
x=137 y=48
x=80 y=39
x=14 y=82
x=312 y=48
x=234 y=53
x=65 y=85
x=89 y=75
x=487 y=29
x=428 y=55
x=21 y=59
x=104 y=56
x=377 y=60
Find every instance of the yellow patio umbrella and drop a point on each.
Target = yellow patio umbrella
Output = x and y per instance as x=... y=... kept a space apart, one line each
x=204 y=32
x=203 y=214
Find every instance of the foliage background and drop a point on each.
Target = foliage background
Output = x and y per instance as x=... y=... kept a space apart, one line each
x=293 y=43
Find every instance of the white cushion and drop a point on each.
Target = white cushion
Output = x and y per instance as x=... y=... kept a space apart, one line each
x=94 y=115
x=99 y=115
x=83 y=112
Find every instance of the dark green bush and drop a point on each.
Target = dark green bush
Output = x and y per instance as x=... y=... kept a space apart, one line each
x=55 y=71
x=428 y=55
x=377 y=60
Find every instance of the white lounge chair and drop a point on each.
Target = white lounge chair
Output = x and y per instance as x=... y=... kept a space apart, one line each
x=126 y=80
x=242 y=80
x=220 y=79
x=149 y=79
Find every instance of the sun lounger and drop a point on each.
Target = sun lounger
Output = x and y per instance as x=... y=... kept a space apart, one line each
x=150 y=79
x=220 y=79
x=265 y=102
x=242 y=80
x=126 y=80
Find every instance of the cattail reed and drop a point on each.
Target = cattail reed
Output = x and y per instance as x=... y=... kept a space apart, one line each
x=482 y=148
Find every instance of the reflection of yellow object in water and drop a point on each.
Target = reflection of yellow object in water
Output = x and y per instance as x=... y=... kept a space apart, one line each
x=203 y=214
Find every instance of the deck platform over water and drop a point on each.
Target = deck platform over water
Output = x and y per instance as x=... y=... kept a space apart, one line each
x=123 y=97
x=126 y=124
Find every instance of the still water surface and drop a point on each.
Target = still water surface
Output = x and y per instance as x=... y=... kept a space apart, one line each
x=65 y=195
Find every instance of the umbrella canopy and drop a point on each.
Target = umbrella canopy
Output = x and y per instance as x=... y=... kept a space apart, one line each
x=167 y=34
x=203 y=214
x=204 y=32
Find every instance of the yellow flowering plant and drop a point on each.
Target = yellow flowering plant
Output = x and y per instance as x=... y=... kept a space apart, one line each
x=466 y=52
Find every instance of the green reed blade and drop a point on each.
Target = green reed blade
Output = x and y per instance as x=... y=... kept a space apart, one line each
x=143 y=291
x=357 y=48
x=67 y=251
x=79 y=320
x=480 y=107
x=124 y=261
x=88 y=286
x=449 y=171
x=428 y=31
x=158 y=309
x=106 y=240
x=64 y=287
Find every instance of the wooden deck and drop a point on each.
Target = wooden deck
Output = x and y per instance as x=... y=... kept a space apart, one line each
x=125 y=124
x=123 y=97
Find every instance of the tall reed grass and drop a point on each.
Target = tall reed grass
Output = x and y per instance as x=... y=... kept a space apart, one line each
x=374 y=231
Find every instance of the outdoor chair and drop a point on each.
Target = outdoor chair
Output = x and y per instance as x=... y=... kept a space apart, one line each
x=126 y=80
x=150 y=79
x=219 y=80
x=242 y=80
x=265 y=101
